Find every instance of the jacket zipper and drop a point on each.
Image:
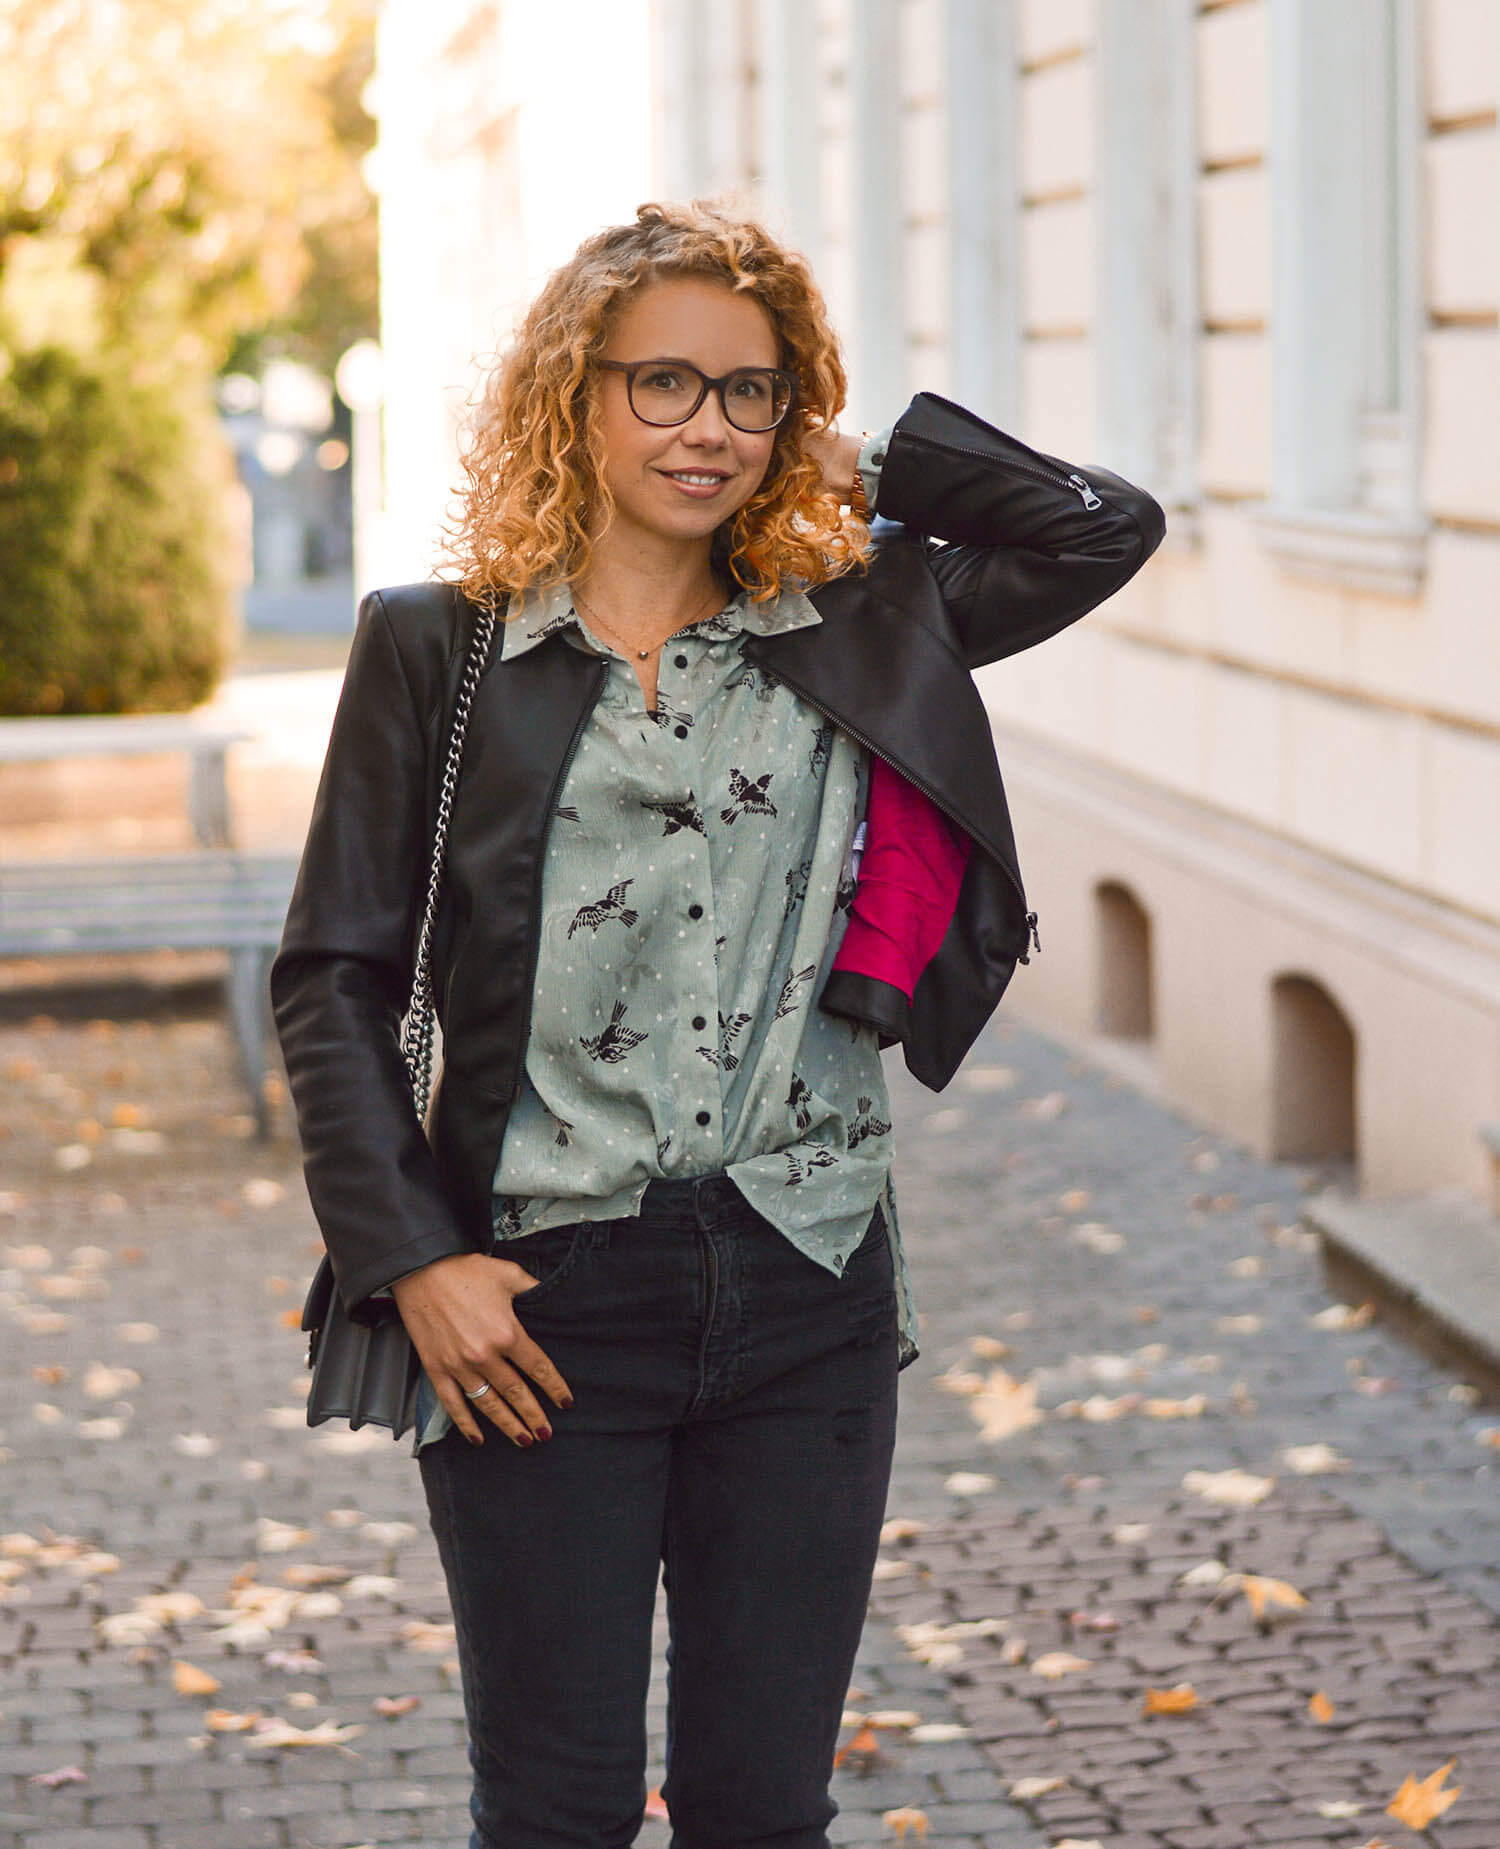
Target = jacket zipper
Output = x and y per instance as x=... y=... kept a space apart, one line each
x=535 y=937
x=918 y=783
x=1074 y=481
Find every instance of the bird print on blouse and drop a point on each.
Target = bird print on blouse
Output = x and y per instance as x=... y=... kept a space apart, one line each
x=798 y=1168
x=821 y=746
x=611 y=906
x=796 y=886
x=796 y=1103
x=676 y=813
x=789 y=996
x=747 y=797
x=721 y=1055
x=667 y=713
x=613 y=1041
x=866 y=1123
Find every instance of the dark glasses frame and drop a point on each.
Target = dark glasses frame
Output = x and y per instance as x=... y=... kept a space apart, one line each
x=705 y=385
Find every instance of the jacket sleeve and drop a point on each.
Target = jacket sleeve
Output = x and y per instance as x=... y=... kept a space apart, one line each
x=341 y=978
x=1030 y=543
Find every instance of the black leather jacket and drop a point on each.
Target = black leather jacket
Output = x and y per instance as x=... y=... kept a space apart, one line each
x=1028 y=546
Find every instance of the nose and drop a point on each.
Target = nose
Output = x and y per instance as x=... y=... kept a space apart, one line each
x=708 y=426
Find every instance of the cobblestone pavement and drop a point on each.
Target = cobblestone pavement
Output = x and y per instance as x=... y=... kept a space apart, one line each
x=1086 y=1265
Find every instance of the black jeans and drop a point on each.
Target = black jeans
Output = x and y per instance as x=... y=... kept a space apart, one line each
x=734 y=1416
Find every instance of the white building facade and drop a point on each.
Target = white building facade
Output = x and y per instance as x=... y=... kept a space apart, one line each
x=1247 y=253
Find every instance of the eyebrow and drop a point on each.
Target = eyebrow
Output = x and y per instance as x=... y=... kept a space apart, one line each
x=678 y=359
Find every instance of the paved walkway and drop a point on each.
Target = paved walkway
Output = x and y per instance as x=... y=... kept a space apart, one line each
x=1112 y=1302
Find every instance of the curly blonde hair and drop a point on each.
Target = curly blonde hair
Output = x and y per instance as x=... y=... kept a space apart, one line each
x=531 y=458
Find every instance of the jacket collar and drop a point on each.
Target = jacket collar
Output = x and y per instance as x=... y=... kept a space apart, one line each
x=550 y=611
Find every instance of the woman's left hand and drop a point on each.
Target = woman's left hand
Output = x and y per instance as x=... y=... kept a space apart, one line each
x=836 y=456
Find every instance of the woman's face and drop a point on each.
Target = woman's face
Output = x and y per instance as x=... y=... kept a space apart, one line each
x=678 y=484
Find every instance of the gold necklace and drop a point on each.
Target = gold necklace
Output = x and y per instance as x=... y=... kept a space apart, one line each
x=613 y=636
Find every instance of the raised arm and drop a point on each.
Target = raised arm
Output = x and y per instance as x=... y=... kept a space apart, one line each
x=1030 y=543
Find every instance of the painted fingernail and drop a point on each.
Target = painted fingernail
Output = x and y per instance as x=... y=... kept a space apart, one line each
x=544 y=1431
x=523 y=1439
x=566 y=1401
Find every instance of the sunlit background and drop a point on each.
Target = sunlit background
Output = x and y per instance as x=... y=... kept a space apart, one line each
x=253 y=258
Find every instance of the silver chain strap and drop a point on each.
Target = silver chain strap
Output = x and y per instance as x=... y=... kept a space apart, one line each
x=421 y=1018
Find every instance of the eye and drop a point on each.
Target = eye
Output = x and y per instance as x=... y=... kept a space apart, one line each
x=755 y=386
x=662 y=379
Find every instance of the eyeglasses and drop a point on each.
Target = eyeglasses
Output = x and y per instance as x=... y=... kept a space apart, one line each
x=665 y=392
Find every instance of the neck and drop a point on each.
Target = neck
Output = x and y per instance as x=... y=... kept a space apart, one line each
x=657 y=588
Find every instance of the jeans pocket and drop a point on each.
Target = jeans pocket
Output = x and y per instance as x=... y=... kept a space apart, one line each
x=549 y=1255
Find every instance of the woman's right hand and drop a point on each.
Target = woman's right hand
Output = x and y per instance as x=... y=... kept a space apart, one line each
x=458 y=1313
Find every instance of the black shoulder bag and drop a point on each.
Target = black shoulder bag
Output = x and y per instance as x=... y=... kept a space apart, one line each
x=368 y=1374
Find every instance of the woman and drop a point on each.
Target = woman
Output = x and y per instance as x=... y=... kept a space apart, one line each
x=650 y=1260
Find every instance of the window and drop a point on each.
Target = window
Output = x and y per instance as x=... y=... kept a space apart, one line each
x=1346 y=301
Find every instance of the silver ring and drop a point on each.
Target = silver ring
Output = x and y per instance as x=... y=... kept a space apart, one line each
x=478 y=1393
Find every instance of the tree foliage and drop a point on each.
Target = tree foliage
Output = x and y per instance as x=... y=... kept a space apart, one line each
x=113 y=541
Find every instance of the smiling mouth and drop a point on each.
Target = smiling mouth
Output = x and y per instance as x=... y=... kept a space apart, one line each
x=696 y=478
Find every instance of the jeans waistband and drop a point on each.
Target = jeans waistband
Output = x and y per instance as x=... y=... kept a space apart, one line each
x=703 y=1197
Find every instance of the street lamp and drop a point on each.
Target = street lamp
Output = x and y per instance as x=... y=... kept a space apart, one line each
x=360 y=379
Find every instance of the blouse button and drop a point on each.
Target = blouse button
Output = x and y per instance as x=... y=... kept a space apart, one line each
x=695 y=911
x=679 y=661
x=704 y=1118
x=699 y=1023
x=679 y=731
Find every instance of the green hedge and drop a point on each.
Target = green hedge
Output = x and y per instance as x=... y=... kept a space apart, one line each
x=114 y=592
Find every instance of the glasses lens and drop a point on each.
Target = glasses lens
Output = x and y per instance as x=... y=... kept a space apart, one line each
x=665 y=394
x=756 y=398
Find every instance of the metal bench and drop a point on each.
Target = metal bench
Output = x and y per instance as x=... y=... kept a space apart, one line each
x=209 y=901
x=204 y=742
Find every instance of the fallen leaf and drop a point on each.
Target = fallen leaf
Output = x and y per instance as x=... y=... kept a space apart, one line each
x=1193 y=1407
x=891 y=1717
x=1098 y=1409
x=939 y=1733
x=307 y=1573
x=127 y=1627
x=170 y=1607
x=137 y=1142
x=302 y=1698
x=1099 y=1238
x=1101 y=1621
x=418 y=1634
x=136 y=1332
x=1248 y=1267
x=108 y=1383
x=1130 y=1532
x=1179 y=1700
x=188 y=1679
x=1059 y=1663
x=394 y=1706
x=988 y=1347
x=1320 y=1708
x=968 y=1483
x=1239 y=1325
x=387 y=1533
x=1488 y=1435
x=901 y=1528
x=959 y=1380
x=1236 y=1488
x=1075 y=1200
x=270 y=1733
x=225 y=1720
x=273 y=1537
x=863 y=1750
x=1025 y=1788
x=372 y=1586
x=1206 y=1573
x=893 y=1569
x=63 y=1775
x=70 y=1157
x=907 y=1817
x=1046 y=1109
x=1419 y=1802
x=1263 y=1592
x=194 y=1444
x=1005 y=1406
x=1344 y=1316
x=260 y=1192
x=294 y=1662
x=1079 y=1842
x=988 y=1078
x=1313 y=1460
x=1335 y=1808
